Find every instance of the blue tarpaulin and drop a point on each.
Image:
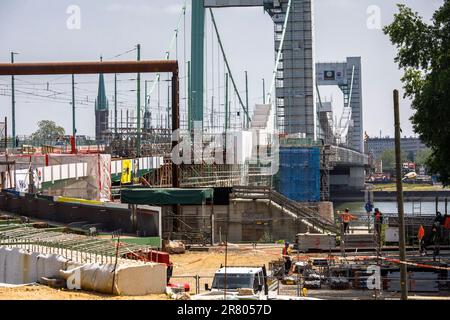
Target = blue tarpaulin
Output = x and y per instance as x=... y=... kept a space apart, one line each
x=300 y=173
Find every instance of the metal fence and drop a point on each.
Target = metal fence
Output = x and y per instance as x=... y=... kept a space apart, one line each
x=196 y=283
x=362 y=284
x=412 y=225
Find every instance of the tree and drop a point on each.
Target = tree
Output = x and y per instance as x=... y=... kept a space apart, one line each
x=388 y=158
x=410 y=156
x=424 y=54
x=423 y=156
x=47 y=130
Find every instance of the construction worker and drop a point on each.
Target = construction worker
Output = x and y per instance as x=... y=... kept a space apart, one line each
x=287 y=258
x=378 y=220
x=420 y=236
x=436 y=232
x=286 y=249
x=346 y=218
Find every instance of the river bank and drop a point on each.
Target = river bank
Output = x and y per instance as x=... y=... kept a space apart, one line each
x=409 y=196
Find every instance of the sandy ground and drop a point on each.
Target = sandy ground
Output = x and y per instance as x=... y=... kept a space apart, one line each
x=39 y=292
x=189 y=264
x=207 y=263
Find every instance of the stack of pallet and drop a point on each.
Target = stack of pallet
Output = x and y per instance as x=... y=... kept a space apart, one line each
x=359 y=240
x=315 y=242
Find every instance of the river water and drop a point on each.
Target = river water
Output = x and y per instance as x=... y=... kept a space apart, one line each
x=424 y=208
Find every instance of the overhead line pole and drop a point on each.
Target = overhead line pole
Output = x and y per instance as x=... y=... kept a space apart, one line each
x=247 y=124
x=189 y=99
x=172 y=43
x=74 y=130
x=13 y=101
x=401 y=213
x=228 y=66
x=138 y=139
x=115 y=103
x=226 y=103
x=264 y=91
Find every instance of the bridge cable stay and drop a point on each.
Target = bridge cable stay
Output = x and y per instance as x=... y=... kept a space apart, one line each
x=347 y=112
x=172 y=43
x=320 y=100
x=228 y=66
x=280 y=50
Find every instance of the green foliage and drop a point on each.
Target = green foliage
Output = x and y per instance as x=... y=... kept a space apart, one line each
x=266 y=238
x=423 y=156
x=47 y=130
x=424 y=54
x=388 y=158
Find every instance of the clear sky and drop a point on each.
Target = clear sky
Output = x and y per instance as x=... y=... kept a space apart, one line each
x=38 y=30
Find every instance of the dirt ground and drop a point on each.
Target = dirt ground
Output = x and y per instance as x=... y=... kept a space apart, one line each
x=207 y=263
x=189 y=264
x=40 y=292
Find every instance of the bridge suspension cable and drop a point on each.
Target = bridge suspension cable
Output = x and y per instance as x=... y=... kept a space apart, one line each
x=344 y=122
x=280 y=51
x=172 y=43
x=228 y=66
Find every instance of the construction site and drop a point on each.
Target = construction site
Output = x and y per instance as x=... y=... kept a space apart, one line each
x=188 y=192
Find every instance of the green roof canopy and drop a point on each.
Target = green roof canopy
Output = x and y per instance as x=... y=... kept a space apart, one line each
x=146 y=196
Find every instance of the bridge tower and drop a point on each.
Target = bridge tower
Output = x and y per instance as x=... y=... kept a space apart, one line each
x=348 y=77
x=295 y=81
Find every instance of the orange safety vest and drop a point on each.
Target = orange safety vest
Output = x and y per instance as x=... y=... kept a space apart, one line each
x=346 y=217
x=378 y=216
x=421 y=233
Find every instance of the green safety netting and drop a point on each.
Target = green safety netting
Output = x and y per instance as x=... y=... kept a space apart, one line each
x=171 y=196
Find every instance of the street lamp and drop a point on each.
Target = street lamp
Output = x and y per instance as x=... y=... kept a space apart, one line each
x=13 y=101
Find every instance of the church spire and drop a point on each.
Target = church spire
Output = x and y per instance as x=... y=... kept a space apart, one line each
x=102 y=102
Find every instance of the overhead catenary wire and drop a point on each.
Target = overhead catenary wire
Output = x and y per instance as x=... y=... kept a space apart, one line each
x=172 y=43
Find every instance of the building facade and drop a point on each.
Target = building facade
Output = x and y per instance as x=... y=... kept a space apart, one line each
x=410 y=145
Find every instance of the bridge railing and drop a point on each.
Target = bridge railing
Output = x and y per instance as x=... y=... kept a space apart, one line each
x=343 y=155
x=301 y=210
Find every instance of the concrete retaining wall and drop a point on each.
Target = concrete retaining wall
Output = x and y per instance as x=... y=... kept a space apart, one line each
x=110 y=218
x=245 y=221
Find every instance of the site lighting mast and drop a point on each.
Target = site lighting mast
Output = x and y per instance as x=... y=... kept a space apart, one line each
x=13 y=100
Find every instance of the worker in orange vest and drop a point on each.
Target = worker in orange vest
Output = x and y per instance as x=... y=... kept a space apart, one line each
x=346 y=218
x=420 y=236
x=378 y=221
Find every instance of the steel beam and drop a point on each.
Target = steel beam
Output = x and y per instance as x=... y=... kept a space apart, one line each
x=233 y=3
x=56 y=68
x=52 y=68
x=197 y=67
